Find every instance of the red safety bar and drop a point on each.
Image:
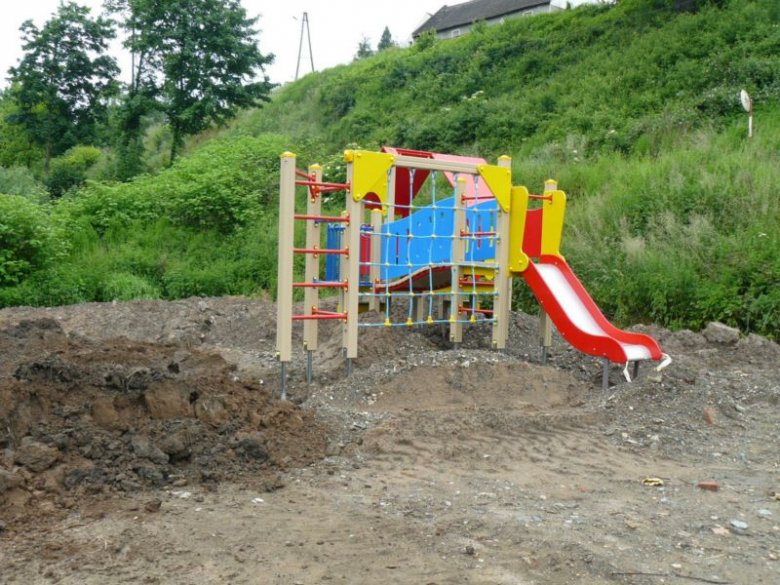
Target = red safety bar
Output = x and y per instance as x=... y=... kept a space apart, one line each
x=480 y=311
x=328 y=218
x=320 y=285
x=477 y=234
x=544 y=197
x=320 y=317
x=304 y=175
x=323 y=186
x=475 y=283
x=318 y=251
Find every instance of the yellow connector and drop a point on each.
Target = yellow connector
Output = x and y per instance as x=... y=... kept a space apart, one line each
x=387 y=322
x=409 y=322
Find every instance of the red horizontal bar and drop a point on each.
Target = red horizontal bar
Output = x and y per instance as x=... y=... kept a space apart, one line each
x=319 y=317
x=304 y=175
x=475 y=283
x=316 y=311
x=323 y=186
x=477 y=234
x=318 y=251
x=545 y=197
x=320 y=285
x=480 y=311
x=329 y=218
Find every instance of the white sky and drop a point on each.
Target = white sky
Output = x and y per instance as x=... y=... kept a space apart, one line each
x=337 y=26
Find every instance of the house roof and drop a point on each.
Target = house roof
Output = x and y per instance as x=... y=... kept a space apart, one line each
x=448 y=17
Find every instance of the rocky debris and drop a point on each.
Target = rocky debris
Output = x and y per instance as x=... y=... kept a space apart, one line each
x=710 y=486
x=143 y=447
x=9 y=480
x=36 y=456
x=722 y=334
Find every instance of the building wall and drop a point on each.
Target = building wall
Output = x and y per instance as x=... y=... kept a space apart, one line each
x=462 y=30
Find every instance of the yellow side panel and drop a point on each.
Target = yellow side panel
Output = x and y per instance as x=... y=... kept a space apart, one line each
x=552 y=223
x=518 y=261
x=369 y=173
x=499 y=179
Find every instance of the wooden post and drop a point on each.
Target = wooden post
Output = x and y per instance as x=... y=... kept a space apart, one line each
x=376 y=256
x=458 y=258
x=312 y=271
x=502 y=282
x=352 y=276
x=545 y=324
x=284 y=291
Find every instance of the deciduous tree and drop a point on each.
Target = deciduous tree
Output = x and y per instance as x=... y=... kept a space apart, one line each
x=62 y=83
x=197 y=60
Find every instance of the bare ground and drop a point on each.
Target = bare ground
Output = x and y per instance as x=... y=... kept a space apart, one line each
x=139 y=444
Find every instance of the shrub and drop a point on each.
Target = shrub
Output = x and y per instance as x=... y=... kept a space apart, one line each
x=27 y=239
x=70 y=170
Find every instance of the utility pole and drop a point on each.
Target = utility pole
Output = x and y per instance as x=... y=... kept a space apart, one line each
x=304 y=24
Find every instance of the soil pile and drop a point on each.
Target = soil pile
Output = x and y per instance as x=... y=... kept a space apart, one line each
x=78 y=416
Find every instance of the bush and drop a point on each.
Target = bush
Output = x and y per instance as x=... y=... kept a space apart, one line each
x=70 y=170
x=27 y=239
x=21 y=181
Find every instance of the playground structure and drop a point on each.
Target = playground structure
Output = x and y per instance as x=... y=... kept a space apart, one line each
x=452 y=260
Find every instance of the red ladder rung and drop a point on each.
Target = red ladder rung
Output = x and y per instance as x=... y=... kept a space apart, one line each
x=477 y=234
x=480 y=311
x=328 y=218
x=318 y=251
x=320 y=284
x=319 y=317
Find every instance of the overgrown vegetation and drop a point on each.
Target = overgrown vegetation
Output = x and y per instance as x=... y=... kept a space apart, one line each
x=673 y=213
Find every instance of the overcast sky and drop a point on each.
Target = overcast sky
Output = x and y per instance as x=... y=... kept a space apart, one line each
x=337 y=26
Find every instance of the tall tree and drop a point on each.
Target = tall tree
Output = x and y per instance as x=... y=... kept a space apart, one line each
x=386 y=41
x=62 y=82
x=197 y=59
x=364 y=49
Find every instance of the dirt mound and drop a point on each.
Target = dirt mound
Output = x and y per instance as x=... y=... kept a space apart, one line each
x=78 y=416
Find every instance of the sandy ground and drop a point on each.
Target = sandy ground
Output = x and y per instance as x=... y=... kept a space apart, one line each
x=438 y=466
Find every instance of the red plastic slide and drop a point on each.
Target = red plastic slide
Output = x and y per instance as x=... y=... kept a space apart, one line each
x=577 y=317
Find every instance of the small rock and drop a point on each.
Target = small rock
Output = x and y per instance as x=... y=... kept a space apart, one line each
x=9 y=481
x=739 y=525
x=153 y=505
x=3 y=526
x=709 y=416
x=36 y=456
x=143 y=447
x=764 y=512
x=470 y=551
x=179 y=482
x=710 y=486
x=719 y=333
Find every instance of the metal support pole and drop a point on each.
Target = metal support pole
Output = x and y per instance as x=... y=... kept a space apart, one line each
x=544 y=355
x=309 y=365
x=349 y=366
x=605 y=375
x=636 y=370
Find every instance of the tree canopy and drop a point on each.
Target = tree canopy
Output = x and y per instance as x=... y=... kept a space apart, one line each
x=198 y=60
x=62 y=82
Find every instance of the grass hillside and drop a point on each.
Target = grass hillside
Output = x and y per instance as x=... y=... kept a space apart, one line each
x=673 y=213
